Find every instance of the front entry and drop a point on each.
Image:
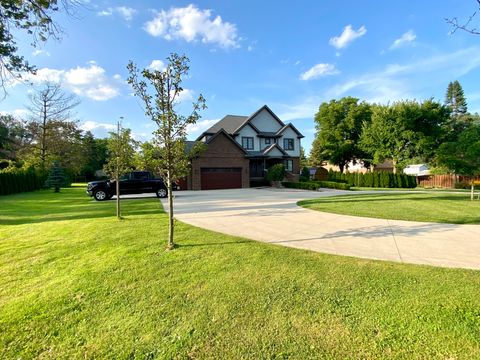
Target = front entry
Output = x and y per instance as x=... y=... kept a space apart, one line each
x=221 y=178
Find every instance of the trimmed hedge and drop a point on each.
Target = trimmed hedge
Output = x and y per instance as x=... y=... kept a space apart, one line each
x=22 y=181
x=380 y=179
x=315 y=185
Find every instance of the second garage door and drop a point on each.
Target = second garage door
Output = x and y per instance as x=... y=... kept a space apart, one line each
x=221 y=178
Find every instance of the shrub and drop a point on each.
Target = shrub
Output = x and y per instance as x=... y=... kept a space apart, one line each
x=276 y=172
x=20 y=181
x=305 y=175
x=315 y=185
x=380 y=179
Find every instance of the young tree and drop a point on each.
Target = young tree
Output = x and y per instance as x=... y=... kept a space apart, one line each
x=56 y=178
x=463 y=156
x=159 y=90
x=339 y=125
x=455 y=98
x=121 y=152
x=50 y=111
x=34 y=17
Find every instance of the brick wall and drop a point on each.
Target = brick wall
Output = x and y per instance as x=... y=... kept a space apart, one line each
x=221 y=152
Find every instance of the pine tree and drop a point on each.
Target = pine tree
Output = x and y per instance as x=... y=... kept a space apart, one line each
x=56 y=178
x=455 y=98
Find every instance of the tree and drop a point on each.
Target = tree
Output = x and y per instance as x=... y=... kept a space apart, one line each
x=463 y=156
x=403 y=131
x=339 y=125
x=33 y=17
x=159 y=90
x=455 y=98
x=56 y=178
x=93 y=154
x=121 y=152
x=50 y=114
x=12 y=136
x=303 y=158
x=465 y=25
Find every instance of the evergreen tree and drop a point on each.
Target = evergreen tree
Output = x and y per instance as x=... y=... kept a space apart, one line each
x=56 y=178
x=455 y=98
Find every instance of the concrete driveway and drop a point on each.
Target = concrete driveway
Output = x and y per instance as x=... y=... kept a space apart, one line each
x=271 y=215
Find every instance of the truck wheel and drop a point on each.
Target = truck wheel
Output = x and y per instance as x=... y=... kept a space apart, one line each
x=161 y=193
x=100 y=195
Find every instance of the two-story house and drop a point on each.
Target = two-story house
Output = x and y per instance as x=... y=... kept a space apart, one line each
x=242 y=148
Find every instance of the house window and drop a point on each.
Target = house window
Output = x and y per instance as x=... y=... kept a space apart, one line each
x=268 y=141
x=288 y=144
x=289 y=165
x=247 y=143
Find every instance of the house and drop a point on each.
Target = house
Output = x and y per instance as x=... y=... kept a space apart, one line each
x=417 y=170
x=241 y=148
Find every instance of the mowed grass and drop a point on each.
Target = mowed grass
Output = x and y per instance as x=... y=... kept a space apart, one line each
x=431 y=207
x=77 y=283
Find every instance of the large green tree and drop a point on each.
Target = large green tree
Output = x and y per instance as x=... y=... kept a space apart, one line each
x=403 y=131
x=455 y=98
x=35 y=19
x=12 y=136
x=339 y=126
x=121 y=153
x=463 y=155
x=159 y=90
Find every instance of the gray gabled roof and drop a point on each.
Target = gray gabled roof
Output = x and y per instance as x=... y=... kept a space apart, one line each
x=232 y=124
x=229 y=123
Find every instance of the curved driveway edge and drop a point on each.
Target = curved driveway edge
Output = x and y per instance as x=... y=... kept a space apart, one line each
x=272 y=216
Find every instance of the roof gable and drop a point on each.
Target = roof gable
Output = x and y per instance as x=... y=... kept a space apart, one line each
x=274 y=150
x=222 y=132
x=290 y=125
x=249 y=119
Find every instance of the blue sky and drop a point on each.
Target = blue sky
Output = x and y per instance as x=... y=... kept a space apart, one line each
x=244 y=54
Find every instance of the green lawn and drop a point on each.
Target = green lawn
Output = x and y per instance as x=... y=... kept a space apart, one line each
x=76 y=283
x=432 y=206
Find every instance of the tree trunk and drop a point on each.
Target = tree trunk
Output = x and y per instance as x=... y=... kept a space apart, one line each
x=394 y=163
x=472 y=189
x=117 y=190
x=171 y=243
x=43 y=147
x=341 y=166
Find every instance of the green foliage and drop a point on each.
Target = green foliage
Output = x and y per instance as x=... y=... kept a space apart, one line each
x=377 y=179
x=455 y=98
x=315 y=185
x=121 y=152
x=276 y=172
x=56 y=178
x=20 y=181
x=305 y=175
x=339 y=125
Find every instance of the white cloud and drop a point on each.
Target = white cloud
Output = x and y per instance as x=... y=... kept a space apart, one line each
x=401 y=81
x=185 y=95
x=192 y=24
x=17 y=113
x=91 y=81
x=406 y=38
x=319 y=70
x=126 y=12
x=157 y=65
x=38 y=52
x=93 y=125
x=347 y=36
x=200 y=126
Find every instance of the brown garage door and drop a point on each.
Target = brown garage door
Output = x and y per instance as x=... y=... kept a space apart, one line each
x=221 y=178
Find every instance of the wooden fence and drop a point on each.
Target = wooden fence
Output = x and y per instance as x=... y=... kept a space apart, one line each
x=443 y=181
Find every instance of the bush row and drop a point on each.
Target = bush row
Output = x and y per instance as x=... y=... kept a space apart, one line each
x=315 y=185
x=381 y=179
x=22 y=181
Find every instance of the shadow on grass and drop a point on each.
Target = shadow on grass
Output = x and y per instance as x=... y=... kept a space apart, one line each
x=70 y=204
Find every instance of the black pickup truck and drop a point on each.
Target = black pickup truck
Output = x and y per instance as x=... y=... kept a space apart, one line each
x=135 y=182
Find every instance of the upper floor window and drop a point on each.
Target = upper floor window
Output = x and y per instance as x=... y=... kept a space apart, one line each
x=208 y=137
x=268 y=141
x=247 y=143
x=288 y=144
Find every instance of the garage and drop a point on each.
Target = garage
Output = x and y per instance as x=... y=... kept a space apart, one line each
x=221 y=178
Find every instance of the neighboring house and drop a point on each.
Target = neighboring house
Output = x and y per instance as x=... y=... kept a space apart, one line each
x=417 y=170
x=242 y=148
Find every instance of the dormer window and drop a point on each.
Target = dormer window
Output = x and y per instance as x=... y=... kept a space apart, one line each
x=288 y=144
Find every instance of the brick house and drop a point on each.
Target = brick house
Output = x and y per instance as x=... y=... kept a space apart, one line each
x=242 y=148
